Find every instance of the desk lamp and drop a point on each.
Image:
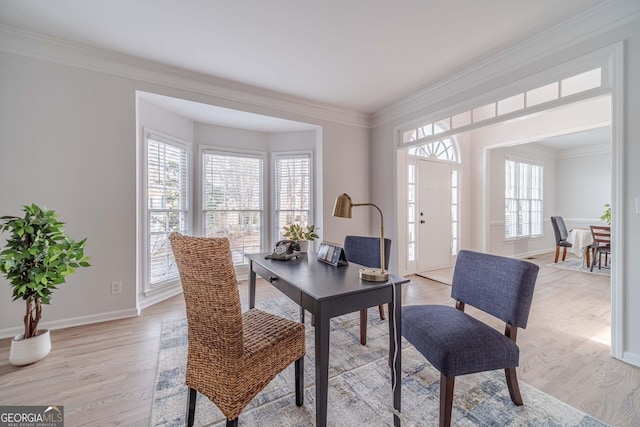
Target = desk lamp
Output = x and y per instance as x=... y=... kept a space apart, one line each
x=342 y=209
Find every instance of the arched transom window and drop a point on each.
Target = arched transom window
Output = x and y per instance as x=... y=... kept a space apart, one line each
x=444 y=149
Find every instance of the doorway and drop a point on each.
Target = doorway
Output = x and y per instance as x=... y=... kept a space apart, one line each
x=434 y=215
x=604 y=69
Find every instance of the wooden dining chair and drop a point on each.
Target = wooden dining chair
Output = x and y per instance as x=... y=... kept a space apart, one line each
x=601 y=245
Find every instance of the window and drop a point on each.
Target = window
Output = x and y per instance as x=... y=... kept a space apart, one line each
x=167 y=205
x=411 y=212
x=232 y=202
x=455 y=202
x=519 y=102
x=442 y=150
x=292 y=191
x=523 y=199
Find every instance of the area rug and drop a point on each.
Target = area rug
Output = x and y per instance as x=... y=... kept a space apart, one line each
x=359 y=386
x=443 y=275
x=576 y=264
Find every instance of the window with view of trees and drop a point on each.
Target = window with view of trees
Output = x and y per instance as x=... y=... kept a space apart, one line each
x=232 y=202
x=292 y=190
x=167 y=207
x=523 y=199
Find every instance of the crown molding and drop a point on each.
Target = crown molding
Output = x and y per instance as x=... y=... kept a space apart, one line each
x=231 y=94
x=512 y=61
x=584 y=151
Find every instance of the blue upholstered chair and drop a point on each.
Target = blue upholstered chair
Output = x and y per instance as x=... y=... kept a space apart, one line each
x=560 y=231
x=366 y=252
x=456 y=343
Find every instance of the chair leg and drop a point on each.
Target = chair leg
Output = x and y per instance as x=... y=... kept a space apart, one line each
x=299 y=365
x=586 y=254
x=381 y=310
x=363 y=327
x=446 y=399
x=514 y=388
x=593 y=261
x=557 y=253
x=191 y=406
x=564 y=253
x=232 y=423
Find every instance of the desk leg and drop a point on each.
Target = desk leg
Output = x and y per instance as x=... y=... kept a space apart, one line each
x=322 y=367
x=395 y=342
x=252 y=286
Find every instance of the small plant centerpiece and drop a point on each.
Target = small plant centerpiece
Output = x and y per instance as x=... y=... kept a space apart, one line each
x=300 y=234
x=37 y=258
x=606 y=216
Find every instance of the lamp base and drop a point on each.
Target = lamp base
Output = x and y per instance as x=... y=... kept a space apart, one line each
x=373 y=275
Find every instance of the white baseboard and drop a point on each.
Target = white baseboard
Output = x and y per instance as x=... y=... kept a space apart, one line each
x=157 y=295
x=73 y=321
x=631 y=358
x=533 y=253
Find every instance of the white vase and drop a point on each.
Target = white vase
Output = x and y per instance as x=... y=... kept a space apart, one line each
x=25 y=352
x=304 y=246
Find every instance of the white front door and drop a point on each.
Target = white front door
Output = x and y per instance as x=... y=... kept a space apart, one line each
x=434 y=215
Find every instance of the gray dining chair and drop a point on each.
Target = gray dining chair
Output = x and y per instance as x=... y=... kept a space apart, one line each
x=456 y=343
x=560 y=231
x=366 y=252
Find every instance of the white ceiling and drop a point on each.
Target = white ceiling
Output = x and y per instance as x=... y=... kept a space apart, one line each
x=355 y=54
x=600 y=137
x=215 y=115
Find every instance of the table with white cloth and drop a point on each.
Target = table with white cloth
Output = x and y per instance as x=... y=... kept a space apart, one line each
x=580 y=239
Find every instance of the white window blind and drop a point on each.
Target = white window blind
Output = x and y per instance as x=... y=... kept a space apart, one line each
x=167 y=205
x=233 y=201
x=292 y=190
x=523 y=199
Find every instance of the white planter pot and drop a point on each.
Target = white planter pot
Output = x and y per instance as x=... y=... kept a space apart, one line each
x=304 y=246
x=25 y=352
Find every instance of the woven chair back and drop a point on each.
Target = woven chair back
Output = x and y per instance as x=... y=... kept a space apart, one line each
x=211 y=295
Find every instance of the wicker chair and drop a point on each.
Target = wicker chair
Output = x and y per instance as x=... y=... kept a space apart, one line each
x=232 y=355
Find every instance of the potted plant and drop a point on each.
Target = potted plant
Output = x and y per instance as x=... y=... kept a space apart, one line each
x=606 y=216
x=37 y=258
x=302 y=235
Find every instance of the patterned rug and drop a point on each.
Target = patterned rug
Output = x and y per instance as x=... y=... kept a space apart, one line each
x=576 y=264
x=359 y=386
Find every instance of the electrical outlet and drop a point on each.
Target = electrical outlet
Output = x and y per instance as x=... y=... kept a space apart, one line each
x=116 y=288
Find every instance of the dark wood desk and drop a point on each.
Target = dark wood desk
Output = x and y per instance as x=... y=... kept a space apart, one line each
x=326 y=291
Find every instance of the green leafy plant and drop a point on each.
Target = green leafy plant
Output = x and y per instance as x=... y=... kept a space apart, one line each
x=297 y=233
x=37 y=258
x=606 y=216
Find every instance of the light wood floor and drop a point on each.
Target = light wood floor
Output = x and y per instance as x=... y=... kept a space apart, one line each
x=104 y=374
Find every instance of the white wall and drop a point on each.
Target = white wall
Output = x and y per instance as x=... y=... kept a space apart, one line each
x=68 y=141
x=584 y=184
